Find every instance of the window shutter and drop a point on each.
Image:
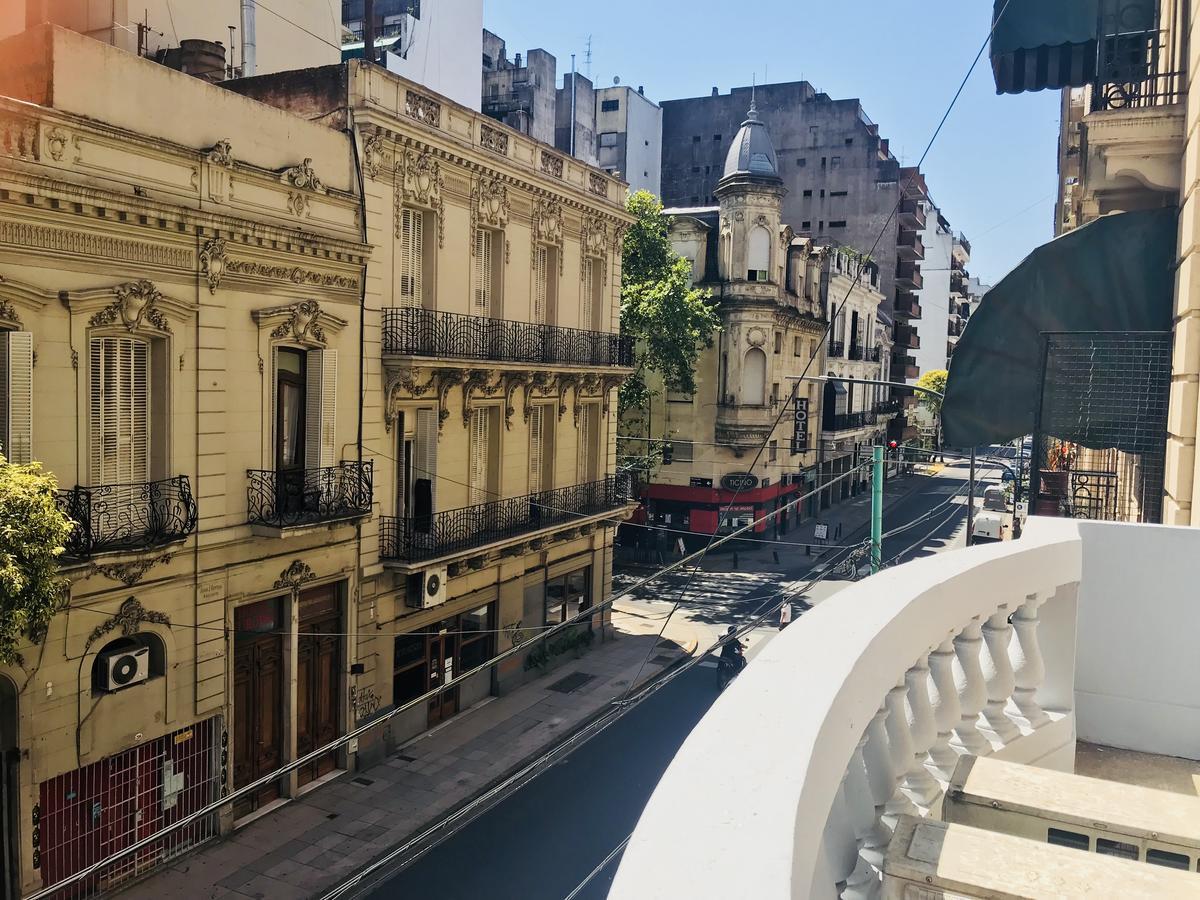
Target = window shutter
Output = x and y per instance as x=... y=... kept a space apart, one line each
x=483 y=272
x=16 y=396
x=425 y=450
x=320 y=450
x=479 y=457
x=589 y=287
x=273 y=420
x=411 y=257
x=540 y=285
x=537 y=442
x=584 y=434
x=119 y=374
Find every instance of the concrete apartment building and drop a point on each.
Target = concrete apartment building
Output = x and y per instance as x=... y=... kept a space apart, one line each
x=520 y=92
x=842 y=181
x=326 y=449
x=438 y=45
x=629 y=137
x=945 y=255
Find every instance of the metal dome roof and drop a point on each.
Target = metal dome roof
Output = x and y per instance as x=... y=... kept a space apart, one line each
x=751 y=152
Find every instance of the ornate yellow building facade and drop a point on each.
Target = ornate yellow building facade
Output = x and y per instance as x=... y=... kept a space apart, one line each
x=332 y=405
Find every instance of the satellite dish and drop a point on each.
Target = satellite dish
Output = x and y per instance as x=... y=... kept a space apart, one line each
x=616 y=79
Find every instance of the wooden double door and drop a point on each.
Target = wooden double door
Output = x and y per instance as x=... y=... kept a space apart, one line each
x=260 y=689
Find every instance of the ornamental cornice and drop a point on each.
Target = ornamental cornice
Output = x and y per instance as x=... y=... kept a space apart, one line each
x=136 y=306
x=302 y=323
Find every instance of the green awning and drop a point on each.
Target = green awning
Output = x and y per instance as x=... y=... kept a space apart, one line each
x=1115 y=274
x=1040 y=44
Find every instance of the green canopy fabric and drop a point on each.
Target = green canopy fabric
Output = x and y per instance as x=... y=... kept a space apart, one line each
x=1040 y=44
x=1115 y=274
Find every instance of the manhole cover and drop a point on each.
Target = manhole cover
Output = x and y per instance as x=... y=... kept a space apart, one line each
x=572 y=682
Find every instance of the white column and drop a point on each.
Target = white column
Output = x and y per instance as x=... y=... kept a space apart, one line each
x=943 y=698
x=901 y=747
x=972 y=690
x=923 y=730
x=841 y=846
x=869 y=833
x=998 y=674
x=882 y=777
x=1029 y=669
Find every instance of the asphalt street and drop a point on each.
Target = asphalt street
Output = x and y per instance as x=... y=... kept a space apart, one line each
x=543 y=840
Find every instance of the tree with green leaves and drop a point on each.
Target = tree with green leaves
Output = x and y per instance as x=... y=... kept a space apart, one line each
x=934 y=380
x=33 y=532
x=669 y=320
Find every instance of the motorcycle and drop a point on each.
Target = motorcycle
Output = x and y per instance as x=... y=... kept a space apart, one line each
x=728 y=668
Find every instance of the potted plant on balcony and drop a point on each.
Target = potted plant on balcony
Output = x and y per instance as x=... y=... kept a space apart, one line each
x=1056 y=480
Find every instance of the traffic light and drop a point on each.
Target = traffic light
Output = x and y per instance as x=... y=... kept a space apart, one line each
x=668 y=451
x=893 y=446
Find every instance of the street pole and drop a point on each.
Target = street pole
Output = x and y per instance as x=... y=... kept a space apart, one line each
x=877 y=510
x=971 y=500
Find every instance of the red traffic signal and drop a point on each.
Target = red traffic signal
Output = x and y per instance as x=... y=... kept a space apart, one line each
x=892 y=445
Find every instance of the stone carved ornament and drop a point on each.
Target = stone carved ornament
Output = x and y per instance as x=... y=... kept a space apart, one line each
x=303 y=176
x=212 y=262
x=487 y=383
x=294 y=575
x=303 y=325
x=372 y=155
x=419 y=182
x=541 y=383
x=547 y=228
x=128 y=619
x=402 y=385
x=489 y=204
x=136 y=303
x=130 y=573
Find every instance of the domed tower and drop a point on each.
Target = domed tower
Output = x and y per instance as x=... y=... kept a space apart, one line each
x=750 y=194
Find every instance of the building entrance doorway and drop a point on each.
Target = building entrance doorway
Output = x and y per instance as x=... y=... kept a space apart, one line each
x=440 y=653
x=257 y=700
x=318 y=678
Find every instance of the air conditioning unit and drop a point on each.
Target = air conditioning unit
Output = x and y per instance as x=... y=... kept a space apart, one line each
x=427 y=589
x=123 y=668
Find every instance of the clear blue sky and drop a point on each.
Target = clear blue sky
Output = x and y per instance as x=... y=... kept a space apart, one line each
x=992 y=169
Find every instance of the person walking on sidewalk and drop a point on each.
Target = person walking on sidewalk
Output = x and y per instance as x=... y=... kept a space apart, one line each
x=785 y=615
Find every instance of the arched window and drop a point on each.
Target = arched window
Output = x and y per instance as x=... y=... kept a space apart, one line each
x=754 y=378
x=157 y=657
x=758 y=254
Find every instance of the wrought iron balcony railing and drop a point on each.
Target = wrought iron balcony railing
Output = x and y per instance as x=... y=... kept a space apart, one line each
x=291 y=498
x=875 y=354
x=415 y=540
x=427 y=332
x=1140 y=63
x=856 y=351
x=837 y=349
x=850 y=421
x=889 y=407
x=114 y=518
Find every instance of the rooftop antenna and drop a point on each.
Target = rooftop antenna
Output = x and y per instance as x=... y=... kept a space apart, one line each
x=587 y=58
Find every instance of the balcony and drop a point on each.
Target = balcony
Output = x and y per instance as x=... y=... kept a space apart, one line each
x=126 y=518
x=454 y=336
x=874 y=354
x=501 y=104
x=905 y=337
x=908 y=276
x=456 y=531
x=286 y=500
x=904 y=368
x=856 y=352
x=837 y=349
x=889 y=407
x=906 y=306
x=850 y=421
x=910 y=246
x=954 y=327
x=857 y=714
x=912 y=215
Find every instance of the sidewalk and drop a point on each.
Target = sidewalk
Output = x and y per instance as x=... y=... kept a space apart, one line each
x=310 y=845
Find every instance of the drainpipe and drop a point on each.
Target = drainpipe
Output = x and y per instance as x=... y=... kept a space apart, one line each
x=248 y=42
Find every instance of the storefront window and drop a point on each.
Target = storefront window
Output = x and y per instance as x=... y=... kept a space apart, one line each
x=568 y=595
x=408 y=668
x=478 y=640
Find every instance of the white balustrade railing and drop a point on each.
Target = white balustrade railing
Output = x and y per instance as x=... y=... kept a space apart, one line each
x=790 y=786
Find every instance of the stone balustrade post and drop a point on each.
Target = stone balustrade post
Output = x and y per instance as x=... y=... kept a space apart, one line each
x=869 y=833
x=923 y=729
x=841 y=844
x=998 y=674
x=971 y=687
x=943 y=699
x=1029 y=669
x=902 y=753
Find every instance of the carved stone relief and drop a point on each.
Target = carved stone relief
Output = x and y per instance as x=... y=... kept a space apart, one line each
x=220 y=163
x=423 y=109
x=489 y=204
x=130 y=573
x=513 y=381
x=547 y=228
x=419 y=182
x=551 y=164
x=303 y=176
x=56 y=143
x=598 y=184
x=212 y=262
x=493 y=139
x=402 y=385
x=373 y=150
x=296 y=574
x=136 y=303
x=487 y=383
x=128 y=620
x=303 y=324
x=540 y=383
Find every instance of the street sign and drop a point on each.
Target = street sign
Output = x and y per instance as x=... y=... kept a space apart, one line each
x=800 y=425
x=821 y=532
